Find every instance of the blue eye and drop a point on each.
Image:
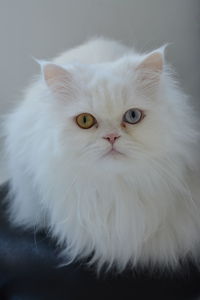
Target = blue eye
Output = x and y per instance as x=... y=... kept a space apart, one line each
x=133 y=116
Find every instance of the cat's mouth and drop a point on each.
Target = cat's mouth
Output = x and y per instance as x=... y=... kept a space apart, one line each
x=113 y=152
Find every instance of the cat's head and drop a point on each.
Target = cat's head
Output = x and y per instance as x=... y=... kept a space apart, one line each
x=119 y=114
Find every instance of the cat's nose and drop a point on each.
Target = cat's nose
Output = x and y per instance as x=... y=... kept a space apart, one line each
x=111 y=138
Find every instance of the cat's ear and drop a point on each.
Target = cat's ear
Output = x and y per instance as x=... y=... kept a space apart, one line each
x=58 y=79
x=149 y=70
x=153 y=62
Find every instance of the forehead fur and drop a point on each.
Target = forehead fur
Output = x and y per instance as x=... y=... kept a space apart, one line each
x=111 y=88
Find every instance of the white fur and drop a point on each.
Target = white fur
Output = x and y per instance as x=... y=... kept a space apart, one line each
x=142 y=207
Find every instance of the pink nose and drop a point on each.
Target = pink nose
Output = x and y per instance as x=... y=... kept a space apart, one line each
x=111 y=138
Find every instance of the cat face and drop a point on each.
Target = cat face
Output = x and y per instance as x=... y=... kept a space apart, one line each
x=113 y=115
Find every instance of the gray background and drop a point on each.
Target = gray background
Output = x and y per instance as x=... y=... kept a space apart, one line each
x=43 y=28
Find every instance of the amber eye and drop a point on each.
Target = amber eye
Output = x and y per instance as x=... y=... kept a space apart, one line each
x=85 y=120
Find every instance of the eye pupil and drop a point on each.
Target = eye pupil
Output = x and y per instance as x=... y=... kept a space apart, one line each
x=133 y=114
x=84 y=119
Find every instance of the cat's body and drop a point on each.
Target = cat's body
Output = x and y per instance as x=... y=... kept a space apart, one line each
x=138 y=205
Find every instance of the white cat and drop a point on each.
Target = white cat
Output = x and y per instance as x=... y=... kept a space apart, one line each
x=104 y=152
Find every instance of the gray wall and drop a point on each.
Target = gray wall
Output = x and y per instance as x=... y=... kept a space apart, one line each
x=43 y=28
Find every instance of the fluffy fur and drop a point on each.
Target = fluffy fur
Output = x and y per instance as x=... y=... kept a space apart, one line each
x=140 y=207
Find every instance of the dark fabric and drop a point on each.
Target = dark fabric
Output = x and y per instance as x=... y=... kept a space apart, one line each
x=29 y=270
